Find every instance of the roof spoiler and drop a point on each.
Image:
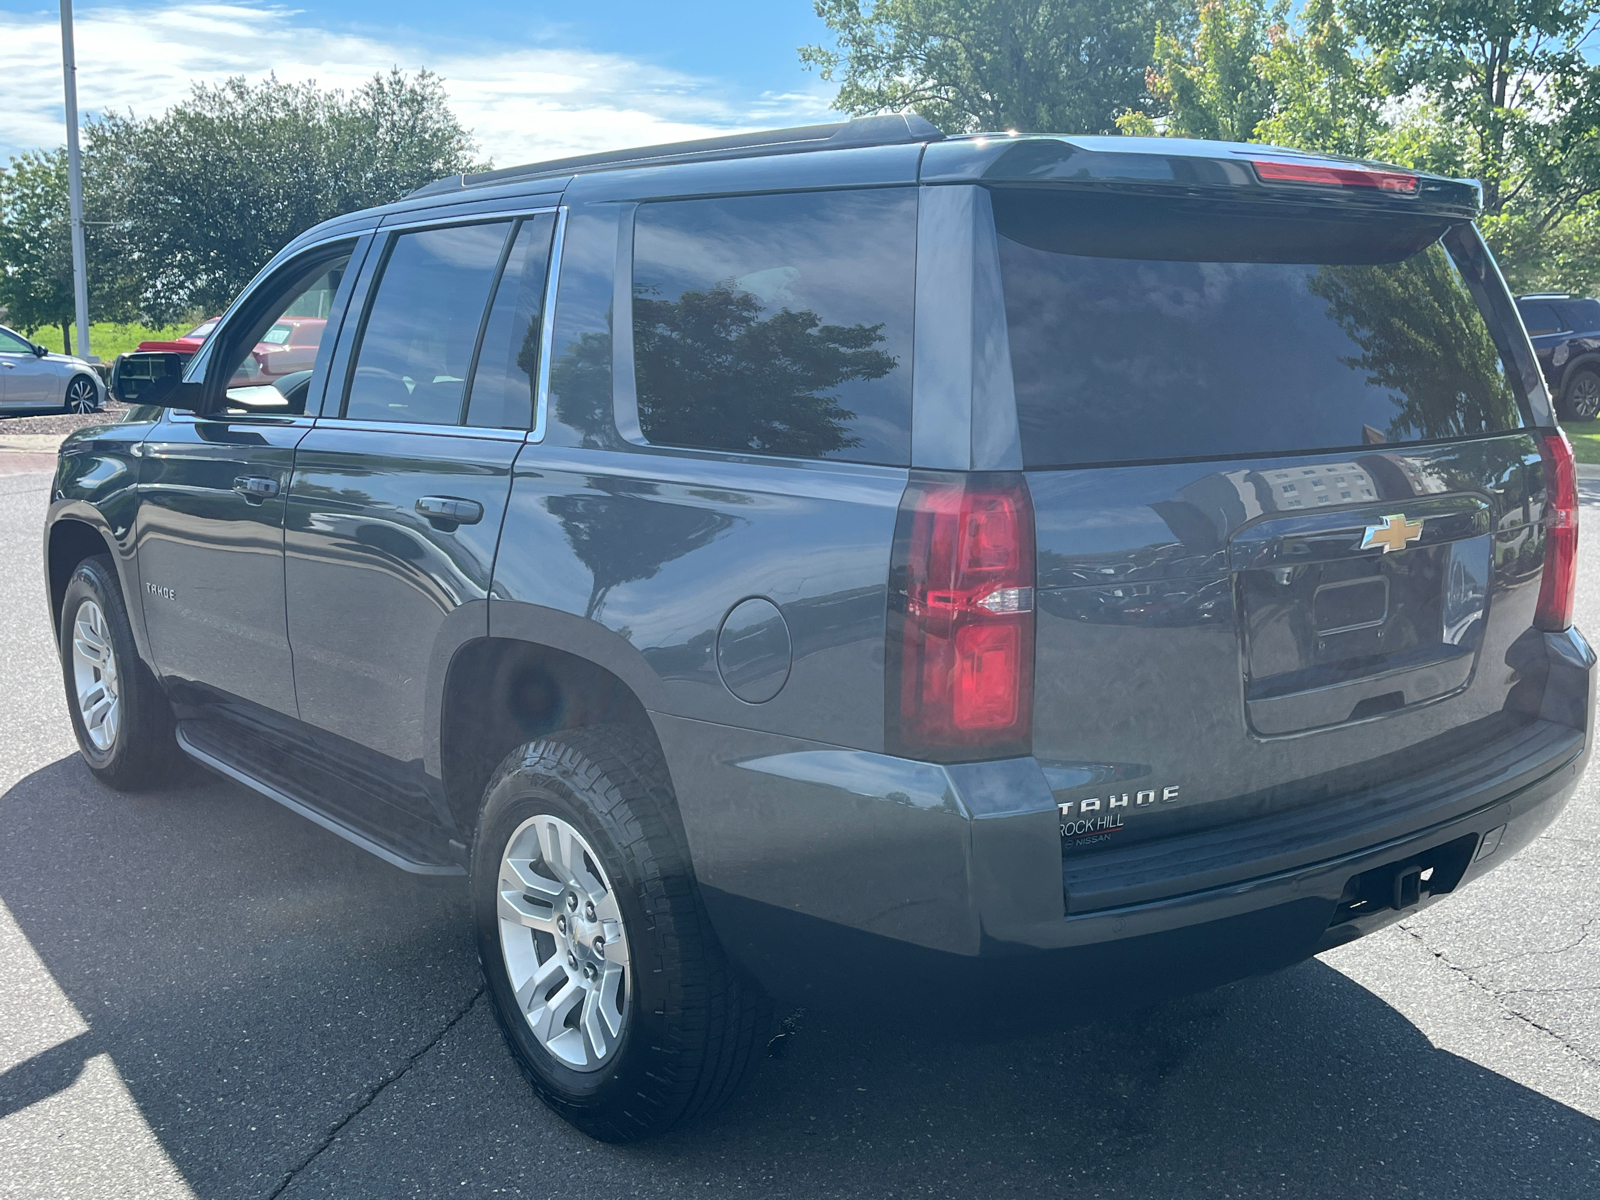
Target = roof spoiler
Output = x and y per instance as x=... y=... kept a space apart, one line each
x=893 y=129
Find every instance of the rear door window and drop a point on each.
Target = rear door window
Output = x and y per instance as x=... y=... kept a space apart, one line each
x=777 y=324
x=1210 y=348
x=1539 y=317
x=422 y=327
x=1581 y=315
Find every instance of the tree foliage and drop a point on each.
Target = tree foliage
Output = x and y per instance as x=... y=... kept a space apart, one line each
x=1210 y=84
x=1498 y=90
x=36 y=246
x=991 y=64
x=215 y=186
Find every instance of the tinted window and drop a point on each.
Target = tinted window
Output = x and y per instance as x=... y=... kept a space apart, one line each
x=1539 y=317
x=423 y=325
x=1581 y=315
x=1130 y=358
x=10 y=343
x=777 y=324
x=507 y=374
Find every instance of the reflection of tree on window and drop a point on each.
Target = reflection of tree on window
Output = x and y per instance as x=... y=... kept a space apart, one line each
x=1421 y=336
x=712 y=372
x=581 y=378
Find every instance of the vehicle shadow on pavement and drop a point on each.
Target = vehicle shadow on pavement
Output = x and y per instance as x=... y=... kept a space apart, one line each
x=289 y=1011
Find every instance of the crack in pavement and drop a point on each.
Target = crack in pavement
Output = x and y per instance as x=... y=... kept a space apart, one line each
x=372 y=1094
x=1498 y=997
x=1583 y=934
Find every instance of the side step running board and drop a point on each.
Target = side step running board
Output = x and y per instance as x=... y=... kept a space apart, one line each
x=311 y=814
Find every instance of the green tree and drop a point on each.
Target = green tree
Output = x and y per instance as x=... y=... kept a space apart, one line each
x=36 y=247
x=1064 y=66
x=1328 y=90
x=1497 y=90
x=214 y=187
x=1211 y=85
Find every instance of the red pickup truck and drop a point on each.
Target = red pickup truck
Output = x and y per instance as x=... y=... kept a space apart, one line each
x=290 y=345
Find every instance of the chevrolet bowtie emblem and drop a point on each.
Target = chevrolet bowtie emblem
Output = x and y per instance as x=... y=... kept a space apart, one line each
x=1396 y=533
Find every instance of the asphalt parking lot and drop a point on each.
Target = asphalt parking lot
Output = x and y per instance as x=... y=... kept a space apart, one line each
x=203 y=994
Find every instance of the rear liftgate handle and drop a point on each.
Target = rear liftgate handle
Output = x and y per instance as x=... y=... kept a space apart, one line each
x=255 y=488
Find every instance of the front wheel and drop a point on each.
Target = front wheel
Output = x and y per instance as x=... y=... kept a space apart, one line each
x=1582 y=401
x=608 y=983
x=82 y=395
x=119 y=713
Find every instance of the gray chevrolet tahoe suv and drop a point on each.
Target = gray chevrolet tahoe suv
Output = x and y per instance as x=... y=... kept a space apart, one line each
x=853 y=554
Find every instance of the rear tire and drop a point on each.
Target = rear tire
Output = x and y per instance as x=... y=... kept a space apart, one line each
x=1580 y=398
x=685 y=1034
x=119 y=713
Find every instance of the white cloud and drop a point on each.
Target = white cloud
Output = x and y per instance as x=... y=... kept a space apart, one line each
x=523 y=103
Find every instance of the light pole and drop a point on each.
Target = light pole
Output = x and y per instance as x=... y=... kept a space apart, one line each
x=80 y=277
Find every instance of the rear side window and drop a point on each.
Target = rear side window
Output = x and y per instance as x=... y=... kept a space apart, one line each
x=422 y=327
x=1214 y=349
x=1539 y=317
x=1581 y=315
x=777 y=324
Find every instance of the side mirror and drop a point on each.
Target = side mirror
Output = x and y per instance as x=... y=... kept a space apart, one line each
x=154 y=377
x=40 y=351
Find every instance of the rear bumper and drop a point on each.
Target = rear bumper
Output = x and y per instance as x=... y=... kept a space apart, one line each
x=811 y=857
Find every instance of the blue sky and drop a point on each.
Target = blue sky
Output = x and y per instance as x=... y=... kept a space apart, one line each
x=532 y=79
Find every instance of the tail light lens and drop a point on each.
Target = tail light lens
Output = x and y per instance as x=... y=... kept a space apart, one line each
x=960 y=683
x=1560 y=534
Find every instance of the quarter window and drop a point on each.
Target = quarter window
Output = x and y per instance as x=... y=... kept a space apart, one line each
x=422 y=327
x=777 y=324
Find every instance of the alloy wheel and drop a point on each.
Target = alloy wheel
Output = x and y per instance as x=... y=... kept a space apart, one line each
x=1584 y=399
x=564 y=943
x=94 y=676
x=81 y=397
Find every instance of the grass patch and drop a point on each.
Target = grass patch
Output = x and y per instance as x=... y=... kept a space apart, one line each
x=107 y=339
x=1585 y=446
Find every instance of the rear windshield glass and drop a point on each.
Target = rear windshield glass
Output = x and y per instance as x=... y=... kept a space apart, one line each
x=1226 y=345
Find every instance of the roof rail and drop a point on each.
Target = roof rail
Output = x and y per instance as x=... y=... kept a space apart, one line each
x=1547 y=296
x=894 y=129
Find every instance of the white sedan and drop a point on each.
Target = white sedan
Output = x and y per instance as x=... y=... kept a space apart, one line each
x=32 y=378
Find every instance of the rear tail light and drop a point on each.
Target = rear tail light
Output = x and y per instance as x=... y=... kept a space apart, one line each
x=1362 y=177
x=1560 y=534
x=960 y=679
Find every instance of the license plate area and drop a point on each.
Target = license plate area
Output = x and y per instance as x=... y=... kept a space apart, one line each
x=1336 y=629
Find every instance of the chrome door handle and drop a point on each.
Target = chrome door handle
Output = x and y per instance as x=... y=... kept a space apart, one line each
x=255 y=488
x=450 y=509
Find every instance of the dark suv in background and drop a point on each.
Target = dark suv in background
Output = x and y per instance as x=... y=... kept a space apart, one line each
x=1565 y=331
x=858 y=563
